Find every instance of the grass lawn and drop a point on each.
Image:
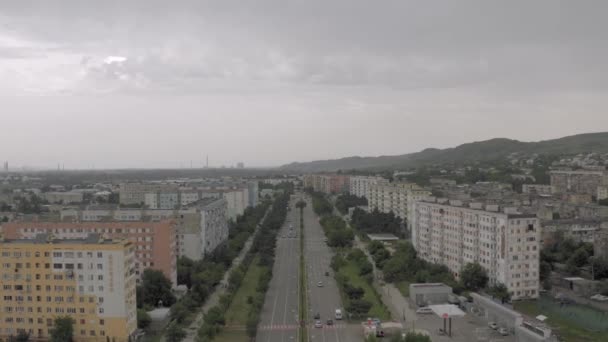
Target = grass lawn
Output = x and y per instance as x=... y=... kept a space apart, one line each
x=566 y=327
x=404 y=288
x=351 y=271
x=231 y=336
x=239 y=308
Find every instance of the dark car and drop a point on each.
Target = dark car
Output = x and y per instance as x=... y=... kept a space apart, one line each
x=330 y=322
x=317 y=315
x=327 y=274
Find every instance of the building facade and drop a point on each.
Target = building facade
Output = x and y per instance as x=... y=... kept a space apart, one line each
x=507 y=246
x=91 y=280
x=397 y=198
x=203 y=228
x=135 y=193
x=579 y=181
x=538 y=189
x=154 y=242
x=359 y=185
x=64 y=197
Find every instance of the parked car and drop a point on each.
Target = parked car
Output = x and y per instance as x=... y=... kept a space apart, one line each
x=318 y=324
x=493 y=325
x=424 y=310
x=503 y=331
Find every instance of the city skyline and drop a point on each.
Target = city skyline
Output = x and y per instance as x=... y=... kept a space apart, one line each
x=126 y=88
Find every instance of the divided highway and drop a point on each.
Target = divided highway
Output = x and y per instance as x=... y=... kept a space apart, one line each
x=279 y=319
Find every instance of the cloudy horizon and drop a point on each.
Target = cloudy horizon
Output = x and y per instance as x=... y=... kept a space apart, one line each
x=160 y=84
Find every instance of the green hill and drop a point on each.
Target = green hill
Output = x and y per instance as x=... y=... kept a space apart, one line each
x=492 y=149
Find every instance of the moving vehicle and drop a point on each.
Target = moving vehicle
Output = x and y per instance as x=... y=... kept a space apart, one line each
x=318 y=324
x=338 y=314
x=326 y=273
x=493 y=325
x=320 y=284
x=330 y=322
x=317 y=316
x=425 y=310
x=503 y=331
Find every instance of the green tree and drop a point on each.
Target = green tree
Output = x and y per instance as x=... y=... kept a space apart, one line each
x=174 y=333
x=501 y=292
x=179 y=312
x=156 y=289
x=22 y=336
x=63 y=329
x=473 y=277
x=416 y=337
x=143 y=319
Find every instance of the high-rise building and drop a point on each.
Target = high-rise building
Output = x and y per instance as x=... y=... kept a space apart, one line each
x=397 y=198
x=578 y=181
x=359 y=185
x=505 y=243
x=154 y=242
x=92 y=280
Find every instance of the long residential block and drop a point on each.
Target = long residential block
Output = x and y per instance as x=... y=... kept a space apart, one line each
x=505 y=244
x=154 y=242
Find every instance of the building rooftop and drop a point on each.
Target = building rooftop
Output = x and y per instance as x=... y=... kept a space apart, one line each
x=40 y=239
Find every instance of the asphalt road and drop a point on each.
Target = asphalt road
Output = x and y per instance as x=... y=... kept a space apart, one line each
x=279 y=319
x=326 y=299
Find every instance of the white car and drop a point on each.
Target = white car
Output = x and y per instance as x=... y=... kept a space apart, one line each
x=503 y=331
x=318 y=324
x=424 y=310
x=493 y=325
x=320 y=284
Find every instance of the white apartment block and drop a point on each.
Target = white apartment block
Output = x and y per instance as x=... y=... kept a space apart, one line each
x=394 y=197
x=135 y=193
x=602 y=192
x=237 y=200
x=359 y=185
x=506 y=245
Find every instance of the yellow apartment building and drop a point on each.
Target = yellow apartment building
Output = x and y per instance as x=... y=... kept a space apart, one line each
x=91 y=280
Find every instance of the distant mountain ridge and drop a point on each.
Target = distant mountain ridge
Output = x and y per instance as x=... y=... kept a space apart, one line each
x=476 y=151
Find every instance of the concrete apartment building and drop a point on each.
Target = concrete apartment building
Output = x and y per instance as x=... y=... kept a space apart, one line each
x=154 y=242
x=208 y=230
x=537 y=189
x=397 y=198
x=505 y=243
x=359 y=185
x=579 y=181
x=328 y=184
x=200 y=227
x=602 y=192
x=91 y=280
x=135 y=193
x=63 y=197
x=579 y=230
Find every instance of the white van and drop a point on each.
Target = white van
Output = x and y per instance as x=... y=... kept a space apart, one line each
x=338 y=314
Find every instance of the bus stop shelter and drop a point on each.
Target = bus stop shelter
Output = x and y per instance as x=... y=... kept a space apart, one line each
x=446 y=312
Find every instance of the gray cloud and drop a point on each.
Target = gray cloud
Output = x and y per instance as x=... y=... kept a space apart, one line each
x=347 y=62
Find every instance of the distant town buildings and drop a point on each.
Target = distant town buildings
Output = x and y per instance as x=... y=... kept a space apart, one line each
x=504 y=242
x=538 y=189
x=154 y=242
x=64 y=197
x=240 y=165
x=328 y=184
x=90 y=279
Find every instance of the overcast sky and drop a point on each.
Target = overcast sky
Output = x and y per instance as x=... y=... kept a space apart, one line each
x=160 y=83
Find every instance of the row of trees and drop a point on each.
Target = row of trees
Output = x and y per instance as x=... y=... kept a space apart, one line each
x=355 y=304
x=345 y=201
x=320 y=204
x=337 y=232
x=376 y=222
x=262 y=250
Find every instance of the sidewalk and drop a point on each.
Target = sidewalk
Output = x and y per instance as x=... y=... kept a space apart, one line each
x=219 y=290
